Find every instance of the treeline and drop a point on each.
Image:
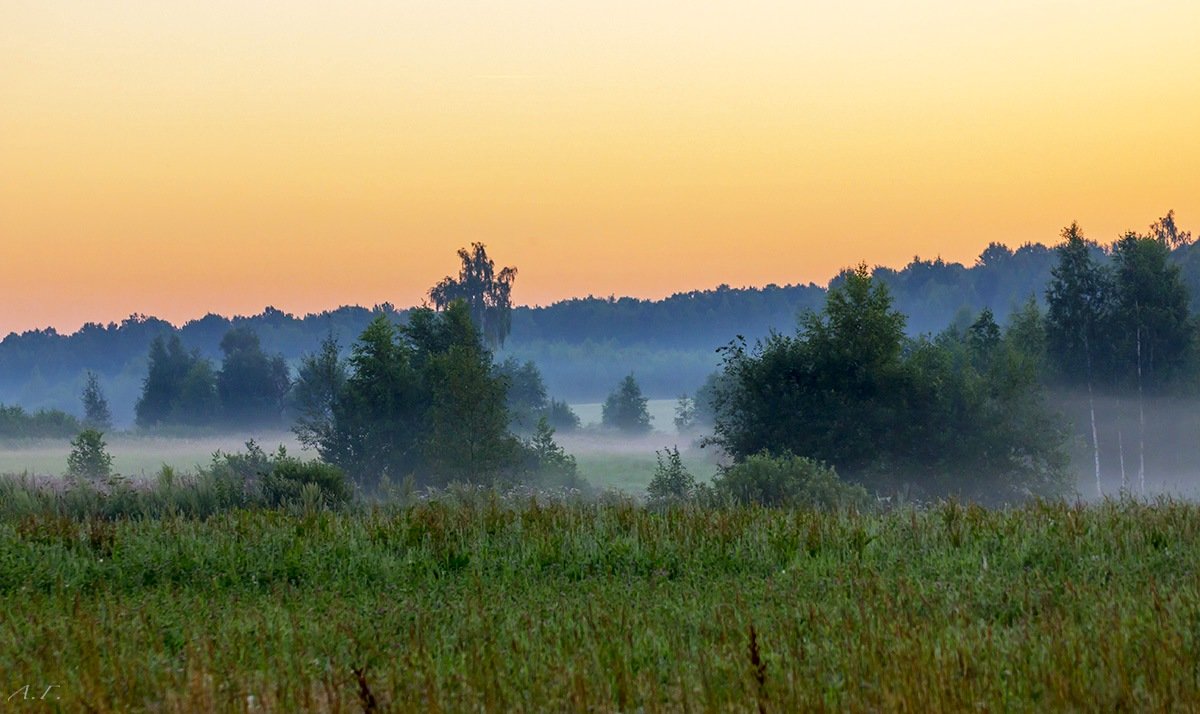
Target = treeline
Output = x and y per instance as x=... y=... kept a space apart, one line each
x=582 y=346
x=966 y=412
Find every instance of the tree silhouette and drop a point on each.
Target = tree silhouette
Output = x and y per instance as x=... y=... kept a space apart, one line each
x=487 y=293
x=96 y=413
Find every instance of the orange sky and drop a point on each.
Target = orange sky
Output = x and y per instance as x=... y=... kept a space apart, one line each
x=177 y=158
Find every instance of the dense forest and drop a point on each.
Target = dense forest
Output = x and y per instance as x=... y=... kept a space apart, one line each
x=582 y=346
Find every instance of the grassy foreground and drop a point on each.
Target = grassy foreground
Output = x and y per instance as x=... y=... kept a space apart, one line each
x=606 y=607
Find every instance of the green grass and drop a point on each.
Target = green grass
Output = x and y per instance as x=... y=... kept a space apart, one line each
x=605 y=461
x=631 y=473
x=482 y=604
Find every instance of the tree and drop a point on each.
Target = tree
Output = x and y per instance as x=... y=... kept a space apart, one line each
x=96 y=414
x=685 y=414
x=1154 y=330
x=168 y=366
x=319 y=383
x=527 y=399
x=625 y=408
x=252 y=385
x=959 y=415
x=487 y=293
x=561 y=417
x=89 y=457
x=983 y=335
x=548 y=462
x=423 y=400
x=467 y=439
x=198 y=403
x=377 y=417
x=1079 y=300
x=672 y=482
x=179 y=388
x=1166 y=232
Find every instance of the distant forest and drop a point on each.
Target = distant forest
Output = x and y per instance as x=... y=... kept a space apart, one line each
x=583 y=346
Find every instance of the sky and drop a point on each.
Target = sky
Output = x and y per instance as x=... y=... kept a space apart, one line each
x=180 y=158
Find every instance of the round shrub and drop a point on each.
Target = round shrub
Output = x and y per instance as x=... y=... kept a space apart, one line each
x=787 y=480
x=285 y=482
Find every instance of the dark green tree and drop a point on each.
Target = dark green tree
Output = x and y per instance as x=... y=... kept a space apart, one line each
x=168 y=366
x=89 y=457
x=1079 y=304
x=983 y=337
x=467 y=437
x=423 y=400
x=180 y=387
x=378 y=416
x=487 y=293
x=547 y=462
x=625 y=408
x=1152 y=323
x=252 y=385
x=198 y=403
x=527 y=399
x=96 y=414
x=1153 y=329
x=561 y=417
x=319 y=383
x=954 y=416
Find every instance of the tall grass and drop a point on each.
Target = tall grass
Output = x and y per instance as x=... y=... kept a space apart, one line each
x=484 y=602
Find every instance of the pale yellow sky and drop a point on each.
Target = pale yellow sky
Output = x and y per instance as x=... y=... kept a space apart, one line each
x=176 y=158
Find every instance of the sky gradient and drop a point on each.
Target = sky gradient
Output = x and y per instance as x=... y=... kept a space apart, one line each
x=179 y=158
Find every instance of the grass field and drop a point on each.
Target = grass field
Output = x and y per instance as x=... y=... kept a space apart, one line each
x=481 y=605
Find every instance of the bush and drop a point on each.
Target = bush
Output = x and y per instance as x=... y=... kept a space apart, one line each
x=547 y=462
x=89 y=457
x=16 y=423
x=273 y=479
x=291 y=480
x=672 y=482
x=787 y=480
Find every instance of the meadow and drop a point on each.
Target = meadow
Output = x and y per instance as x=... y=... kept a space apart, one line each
x=606 y=460
x=482 y=601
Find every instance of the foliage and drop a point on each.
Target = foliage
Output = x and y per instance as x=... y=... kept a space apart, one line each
x=89 y=457
x=180 y=387
x=320 y=381
x=789 y=481
x=547 y=463
x=254 y=477
x=560 y=416
x=551 y=606
x=422 y=400
x=672 y=482
x=16 y=423
x=527 y=399
x=96 y=414
x=252 y=385
x=487 y=293
x=1153 y=331
x=466 y=427
x=1079 y=302
x=625 y=408
x=286 y=481
x=685 y=414
x=961 y=415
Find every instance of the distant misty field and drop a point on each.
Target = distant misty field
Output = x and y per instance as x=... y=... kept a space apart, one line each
x=606 y=461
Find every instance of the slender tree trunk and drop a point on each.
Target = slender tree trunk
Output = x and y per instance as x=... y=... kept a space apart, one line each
x=1095 y=441
x=1141 y=419
x=1087 y=350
